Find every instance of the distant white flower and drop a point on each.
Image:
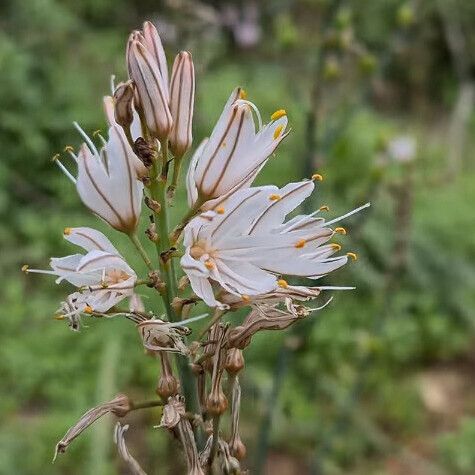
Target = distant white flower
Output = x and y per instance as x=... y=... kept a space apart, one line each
x=245 y=245
x=402 y=148
x=107 y=180
x=235 y=152
x=102 y=275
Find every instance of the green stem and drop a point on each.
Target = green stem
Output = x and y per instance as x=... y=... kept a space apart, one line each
x=158 y=192
x=146 y=404
x=214 y=442
x=136 y=242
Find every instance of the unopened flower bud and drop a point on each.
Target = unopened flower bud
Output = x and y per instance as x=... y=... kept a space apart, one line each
x=234 y=361
x=147 y=69
x=182 y=92
x=217 y=402
x=123 y=100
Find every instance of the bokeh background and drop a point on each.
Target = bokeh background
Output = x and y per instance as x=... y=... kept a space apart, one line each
x=382 y=380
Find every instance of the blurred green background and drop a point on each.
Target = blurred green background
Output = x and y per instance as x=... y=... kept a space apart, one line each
x=382 y=380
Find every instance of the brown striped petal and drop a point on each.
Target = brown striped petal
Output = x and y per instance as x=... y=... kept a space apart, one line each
x=182 y=92
x=151 y=89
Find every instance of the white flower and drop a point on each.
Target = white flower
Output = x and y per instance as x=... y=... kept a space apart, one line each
x=402 y=149
x=234 y=153
x=245 y=245
x=107 y=180
x=102 y=275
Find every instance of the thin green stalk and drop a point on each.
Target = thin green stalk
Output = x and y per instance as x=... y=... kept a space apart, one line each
x=158 y=192
x=214 y=442
x=138 y=245
x=146 y=404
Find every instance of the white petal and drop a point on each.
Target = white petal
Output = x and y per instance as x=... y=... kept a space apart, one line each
x=202 y=288
x=192 y=191
x=89 y=239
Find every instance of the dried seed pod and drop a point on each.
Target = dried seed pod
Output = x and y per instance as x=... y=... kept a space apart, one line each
x=234 y=361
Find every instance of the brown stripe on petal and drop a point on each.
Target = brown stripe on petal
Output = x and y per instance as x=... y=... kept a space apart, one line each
x=95 y=260
x=103 y=196
x=274 y=203
x=85 y=236
x=231 y=153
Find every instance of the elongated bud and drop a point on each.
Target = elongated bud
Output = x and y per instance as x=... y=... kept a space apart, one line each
x=123 y=101
x=151 y=88
x=182 y=95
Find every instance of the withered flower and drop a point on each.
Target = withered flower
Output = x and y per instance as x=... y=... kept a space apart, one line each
x=119 y=439
x=119 y=406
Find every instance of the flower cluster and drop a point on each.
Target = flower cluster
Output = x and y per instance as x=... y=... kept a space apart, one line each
x=236 y=245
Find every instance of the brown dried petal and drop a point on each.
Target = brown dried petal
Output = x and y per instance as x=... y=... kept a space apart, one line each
x=172 y=412
x=135 y=468
x=119 y=406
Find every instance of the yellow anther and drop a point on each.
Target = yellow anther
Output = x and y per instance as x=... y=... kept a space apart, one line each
x=340 y=230
x=59 y=317
x=336 y=247
x=275 y=197
x=69 y=148
x=282 y=283
x=209 y=265
x=242 y=94
x=317 y=177
x=96 y=132
x=278 y=131
x=353 y=255
x=88 y=309
x=67 y=231
x=220 y=210
x=55 y=157
x=223 y=145
x=324 y=208
x=24 y=268
x=245 y=298
x=278 y=114
x=300 y=243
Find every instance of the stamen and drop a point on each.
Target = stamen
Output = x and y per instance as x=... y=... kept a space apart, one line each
x=88 y=309
x=67 y=231
x=254 y=108
x=245 y=298
x=336 y=247
x=112 y=84
x=317 y=177
x=86 y=138
x=340 y=230
x=242 y=94
x=357 y=210
x=275 y=197
x=63 y=168
x=300 y=243
x=59 y=317
x=220 y=210
x=282 y=283
x=70 y=150
x=27 y=270
x=353 y=255
x=278 y=114
x=209 y=265
x=24 y=268
x=278 y=131
x=324 y=208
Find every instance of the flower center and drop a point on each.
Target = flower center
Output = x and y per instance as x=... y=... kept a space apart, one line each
x=116 y=276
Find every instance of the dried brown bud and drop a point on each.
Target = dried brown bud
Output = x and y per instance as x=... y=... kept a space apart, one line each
x=154 y=205
x=123 y=101
x=144 y=151
x=234 y=361
x=167 y=383
x=151 y=232
x=217 y=402
x=238 y=449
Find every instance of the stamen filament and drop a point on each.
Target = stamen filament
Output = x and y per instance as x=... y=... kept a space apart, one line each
x=357 y=210
x=64 y=169
x=86 y=138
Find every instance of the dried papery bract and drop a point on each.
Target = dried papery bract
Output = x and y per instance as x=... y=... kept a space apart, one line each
x=123 y=104
x=158 y=335
x=119 y=439
x=174 y=419
x=182 y=94
x=238 y=449
x=118 y=406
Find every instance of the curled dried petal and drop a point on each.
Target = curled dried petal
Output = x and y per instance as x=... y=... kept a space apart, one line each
x=119 y=431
